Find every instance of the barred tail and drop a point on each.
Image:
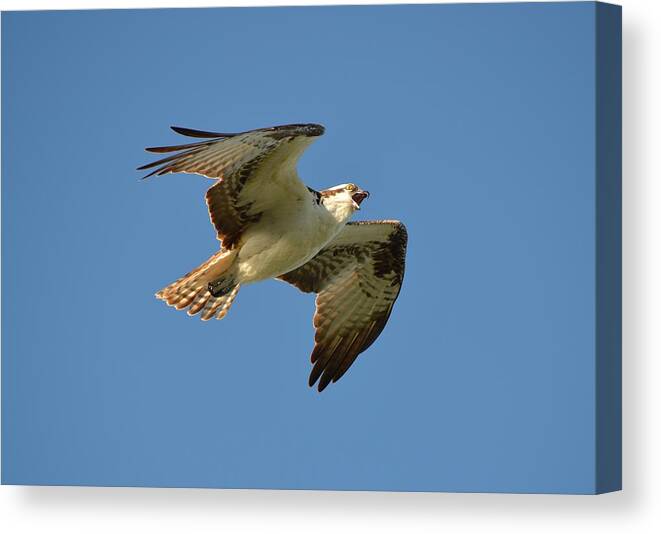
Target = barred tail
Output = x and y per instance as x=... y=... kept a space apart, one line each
x=192 y=290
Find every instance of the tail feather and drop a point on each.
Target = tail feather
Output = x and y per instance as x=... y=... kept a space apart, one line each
x=199 y=302
x=217 y=306
x=192 y=290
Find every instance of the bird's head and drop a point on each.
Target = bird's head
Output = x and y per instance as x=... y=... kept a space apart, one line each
x=343 y=199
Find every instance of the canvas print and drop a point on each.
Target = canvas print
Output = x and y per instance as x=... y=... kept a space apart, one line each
x=270 y=225
x=367 y=248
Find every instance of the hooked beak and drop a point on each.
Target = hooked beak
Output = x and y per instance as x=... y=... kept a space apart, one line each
x=358 y=197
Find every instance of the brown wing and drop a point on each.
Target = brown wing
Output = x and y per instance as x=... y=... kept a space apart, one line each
x=255 y=171
x=357 y=278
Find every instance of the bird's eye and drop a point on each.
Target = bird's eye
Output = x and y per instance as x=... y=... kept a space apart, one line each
x=351 y=187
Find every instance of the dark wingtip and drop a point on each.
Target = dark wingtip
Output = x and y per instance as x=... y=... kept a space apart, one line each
x=148 y=175
x=311 y=382
x=148 y=166
x=144 y=167
x=321 y=386
x=315 y=130
x=189 y=132
x=177 y=148
x=324 y=381
x=162 y=149
x=314 y=376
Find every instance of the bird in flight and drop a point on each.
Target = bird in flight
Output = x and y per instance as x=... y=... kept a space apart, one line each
x=271 y=225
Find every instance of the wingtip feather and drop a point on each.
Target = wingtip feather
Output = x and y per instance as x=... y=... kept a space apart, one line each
x=189 y=132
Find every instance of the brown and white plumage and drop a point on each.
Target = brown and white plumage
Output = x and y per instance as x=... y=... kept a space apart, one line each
x=272 y=226
x=242 y=164
x=357 y=278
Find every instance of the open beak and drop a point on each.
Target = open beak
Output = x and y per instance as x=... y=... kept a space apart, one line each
x=358 y=197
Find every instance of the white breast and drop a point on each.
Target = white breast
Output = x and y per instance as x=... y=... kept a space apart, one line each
x=285 y=240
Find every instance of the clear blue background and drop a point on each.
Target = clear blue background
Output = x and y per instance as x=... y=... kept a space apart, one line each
x=473 y=124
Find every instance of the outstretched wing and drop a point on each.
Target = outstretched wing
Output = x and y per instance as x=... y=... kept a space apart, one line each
x=357 y=278
x=255 y=171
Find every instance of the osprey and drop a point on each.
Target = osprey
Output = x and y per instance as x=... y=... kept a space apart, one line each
x=270 y=225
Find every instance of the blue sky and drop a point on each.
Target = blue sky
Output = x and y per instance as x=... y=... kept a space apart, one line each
x=473 y=124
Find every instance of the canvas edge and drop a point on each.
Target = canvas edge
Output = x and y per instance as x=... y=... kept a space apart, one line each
x=608 y=305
